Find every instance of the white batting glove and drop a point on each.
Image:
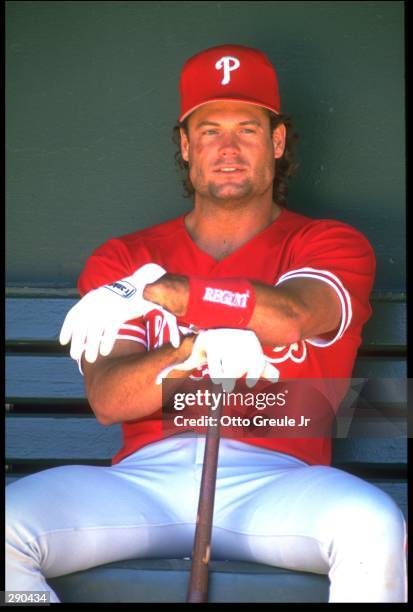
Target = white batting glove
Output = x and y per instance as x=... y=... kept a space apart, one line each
x=195 y=360
x=93 y=323
x=229 y=353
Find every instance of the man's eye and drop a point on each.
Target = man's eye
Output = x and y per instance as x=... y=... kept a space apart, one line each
x=210 y=132
x=248 y=131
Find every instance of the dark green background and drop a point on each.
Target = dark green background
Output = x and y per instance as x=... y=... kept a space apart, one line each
x=92 y=95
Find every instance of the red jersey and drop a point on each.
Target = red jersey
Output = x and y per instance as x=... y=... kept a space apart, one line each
x=292 y=246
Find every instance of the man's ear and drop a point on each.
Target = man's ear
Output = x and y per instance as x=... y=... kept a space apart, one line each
x=278 y=139
x=184 y=145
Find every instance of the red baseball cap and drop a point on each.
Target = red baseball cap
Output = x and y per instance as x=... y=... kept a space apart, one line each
x=228 y=72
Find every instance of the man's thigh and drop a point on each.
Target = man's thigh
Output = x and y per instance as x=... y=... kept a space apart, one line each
x=291 y=515
x=74 y=517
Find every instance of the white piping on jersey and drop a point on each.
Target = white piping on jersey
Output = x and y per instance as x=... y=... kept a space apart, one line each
x=344 y=296
x=141 y=330
x=134 y=338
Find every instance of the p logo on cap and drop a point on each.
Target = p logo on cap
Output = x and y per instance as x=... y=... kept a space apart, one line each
x=228 y=72
x=227 y=64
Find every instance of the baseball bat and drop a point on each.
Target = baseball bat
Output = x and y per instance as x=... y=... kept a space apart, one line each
x=198 y=581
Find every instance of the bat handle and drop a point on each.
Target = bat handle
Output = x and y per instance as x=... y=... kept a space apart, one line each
x=198 y=582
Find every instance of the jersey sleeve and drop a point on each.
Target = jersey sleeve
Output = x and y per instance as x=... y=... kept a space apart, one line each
x=108 y=263
x=342 y=257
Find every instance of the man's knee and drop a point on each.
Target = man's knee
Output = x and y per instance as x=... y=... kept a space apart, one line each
x=26 y=503
x=369 y=518
x=17 y=512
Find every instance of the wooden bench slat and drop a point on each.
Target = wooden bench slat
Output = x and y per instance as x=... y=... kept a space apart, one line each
x=387 y=325
x=377 y=420
x=28 y=376
x=396 y=490
x=370 y=450
x=375 y=367
x=36 y=318
x=46 y=437
x=52 y=347
x=41 y=319
x=34 y=376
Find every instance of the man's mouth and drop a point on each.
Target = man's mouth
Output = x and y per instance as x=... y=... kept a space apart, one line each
x=230 y=169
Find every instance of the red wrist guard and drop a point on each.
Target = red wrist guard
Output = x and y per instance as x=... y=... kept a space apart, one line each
x=219 y=302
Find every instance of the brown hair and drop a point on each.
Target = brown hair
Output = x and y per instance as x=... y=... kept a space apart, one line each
x=285 y=166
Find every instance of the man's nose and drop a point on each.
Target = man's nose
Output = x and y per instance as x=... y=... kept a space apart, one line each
x=229 y=144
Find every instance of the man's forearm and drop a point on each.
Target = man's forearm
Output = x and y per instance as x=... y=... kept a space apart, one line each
x=123 y=388
x=277 y=317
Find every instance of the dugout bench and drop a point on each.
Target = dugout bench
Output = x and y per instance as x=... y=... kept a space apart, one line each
x=49 y=423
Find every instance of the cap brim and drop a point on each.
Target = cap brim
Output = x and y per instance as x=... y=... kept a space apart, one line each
x=220 y=99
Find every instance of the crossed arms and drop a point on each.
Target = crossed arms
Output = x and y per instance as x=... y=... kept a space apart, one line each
x=121 y=385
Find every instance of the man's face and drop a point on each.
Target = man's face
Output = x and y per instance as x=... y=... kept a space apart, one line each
x=231 y=151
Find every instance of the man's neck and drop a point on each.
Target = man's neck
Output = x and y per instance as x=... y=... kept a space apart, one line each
x=219 y=230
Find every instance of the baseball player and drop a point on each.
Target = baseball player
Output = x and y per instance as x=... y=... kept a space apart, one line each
x=238 y=288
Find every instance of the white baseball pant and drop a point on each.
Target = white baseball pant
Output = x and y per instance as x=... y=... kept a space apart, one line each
x=269 y=508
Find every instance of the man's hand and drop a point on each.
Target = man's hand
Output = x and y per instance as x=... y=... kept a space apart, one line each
x=170 y=292
x=229 y=353
x=92 y=324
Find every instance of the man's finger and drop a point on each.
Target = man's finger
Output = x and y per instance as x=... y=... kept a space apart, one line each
x=78 y=342
x=228 y=384
x=92 y=345
x=67 y=328
x=254 y=373
x=215 y=366
x=270 y=372
x=108 y=339
x=94 y=335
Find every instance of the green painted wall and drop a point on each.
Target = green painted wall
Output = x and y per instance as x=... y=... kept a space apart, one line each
x=92 y=95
